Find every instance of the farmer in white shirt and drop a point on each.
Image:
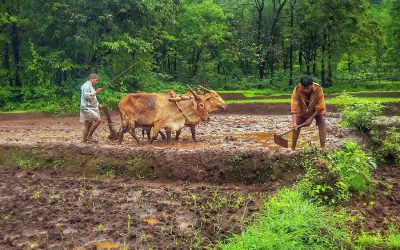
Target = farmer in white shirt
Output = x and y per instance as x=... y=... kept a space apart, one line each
x=90 y=115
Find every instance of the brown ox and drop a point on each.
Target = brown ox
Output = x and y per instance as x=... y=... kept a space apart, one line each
x=159 y=111
x=212 y=102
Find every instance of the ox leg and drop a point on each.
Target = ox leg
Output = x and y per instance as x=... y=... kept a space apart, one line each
x=177 y=134
x=148 y=130
x=193 y=130
x=133 y=134
x=143 y=130
x=162 y=135
x=168 y=131
x=121 y=133
x=156 y=130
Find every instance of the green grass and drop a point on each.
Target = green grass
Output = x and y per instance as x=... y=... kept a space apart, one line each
x=360 y=87
x=292 y=222
x=252 y=93
x=328 y=100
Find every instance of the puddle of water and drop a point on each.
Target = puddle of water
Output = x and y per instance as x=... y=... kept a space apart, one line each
x=107 y=245
x=152 y=222
x=251 y=139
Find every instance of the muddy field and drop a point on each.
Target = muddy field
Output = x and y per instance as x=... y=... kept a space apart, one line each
x=69 y=195
x=54 y=210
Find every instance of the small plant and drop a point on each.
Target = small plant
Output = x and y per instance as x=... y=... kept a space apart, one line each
x=129 y=222
x=236 y=202
x=196 y=241
x=100 y=227
x=235 y=161
x=57 y=163
x=94 y=206
x=217 y=201
x=109 y=174
x=51 y=196
x=36 y=194
x=124 y=246
x=81 y=191
x=194 y=197
x=24 y=163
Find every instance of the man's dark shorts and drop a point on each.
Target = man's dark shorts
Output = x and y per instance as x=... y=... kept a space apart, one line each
x=319 y=120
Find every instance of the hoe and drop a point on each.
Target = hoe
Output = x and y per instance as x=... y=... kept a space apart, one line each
x=279 y=140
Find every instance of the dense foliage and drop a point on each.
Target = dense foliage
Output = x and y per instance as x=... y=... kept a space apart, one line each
x=49 y=47
x=358 y=114
x=332 y=177
x=388 y=144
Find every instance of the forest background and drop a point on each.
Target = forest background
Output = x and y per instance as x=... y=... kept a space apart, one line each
x=48 y=48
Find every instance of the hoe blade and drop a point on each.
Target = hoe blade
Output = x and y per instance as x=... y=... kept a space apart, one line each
x=280 y=141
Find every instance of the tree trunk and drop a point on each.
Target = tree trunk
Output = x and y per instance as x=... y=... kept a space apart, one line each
x=261 y=64
x=292 y=5
x=323 y=79
x=196 y=61
x=301 y=59
x=314 y=70
x=6 y=62
x=15 y=46
x=285 y=58
x=329 y=80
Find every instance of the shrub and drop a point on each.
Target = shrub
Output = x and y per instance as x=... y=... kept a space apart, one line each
x=389 y=150
x=330 y=178
x=357 y=113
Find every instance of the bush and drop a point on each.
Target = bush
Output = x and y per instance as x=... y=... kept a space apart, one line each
x=331 y=178
x=292 y=222
x=357 y=113
x=389 y=149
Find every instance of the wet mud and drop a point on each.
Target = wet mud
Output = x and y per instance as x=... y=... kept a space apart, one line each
x=377 y=212
x=60 y=193
x=51 y=209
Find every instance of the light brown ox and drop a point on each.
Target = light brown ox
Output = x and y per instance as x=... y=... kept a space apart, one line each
x=213 y=102
x=159 y=111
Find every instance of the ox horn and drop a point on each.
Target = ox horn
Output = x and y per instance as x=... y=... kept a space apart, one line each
x=205 y=89
x=196 y=96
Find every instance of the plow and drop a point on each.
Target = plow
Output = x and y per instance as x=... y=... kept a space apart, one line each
x=113 y=134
